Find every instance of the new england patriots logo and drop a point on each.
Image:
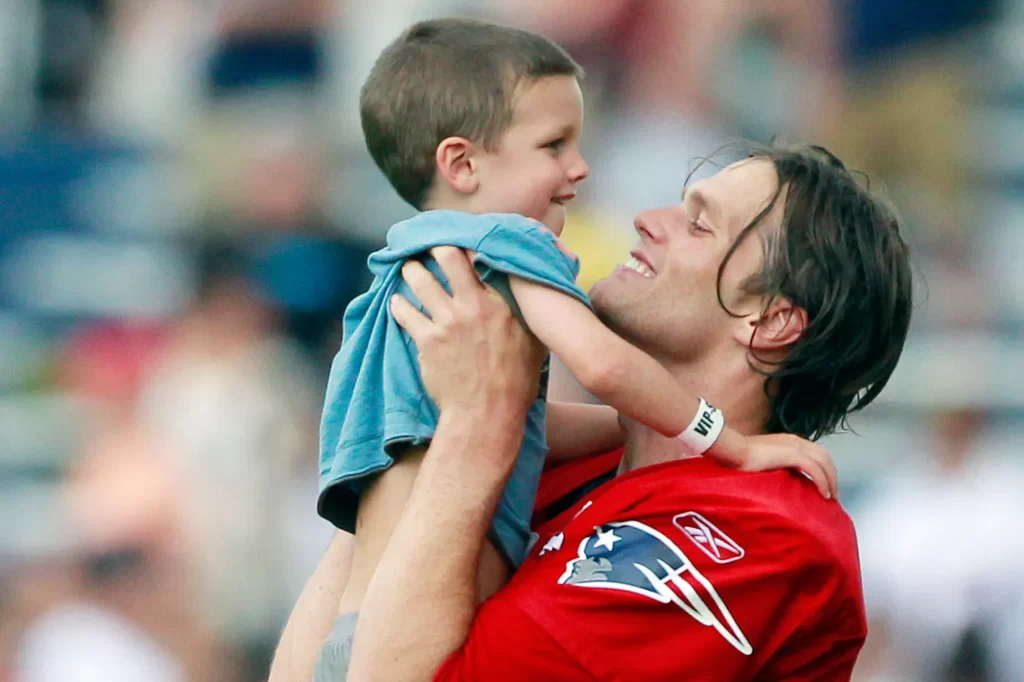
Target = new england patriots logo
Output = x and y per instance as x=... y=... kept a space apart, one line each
x=633 y=557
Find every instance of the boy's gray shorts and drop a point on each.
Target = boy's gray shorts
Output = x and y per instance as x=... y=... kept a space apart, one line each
x=336 y=654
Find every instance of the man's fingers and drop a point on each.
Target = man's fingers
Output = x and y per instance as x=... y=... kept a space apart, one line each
x=409 y=317
x=458 y=268
x=427 y=289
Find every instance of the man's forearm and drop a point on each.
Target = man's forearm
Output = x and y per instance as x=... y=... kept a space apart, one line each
x=420 y=604
x=310 y=620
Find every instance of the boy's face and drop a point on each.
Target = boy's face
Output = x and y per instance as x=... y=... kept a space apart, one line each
x=536 y=167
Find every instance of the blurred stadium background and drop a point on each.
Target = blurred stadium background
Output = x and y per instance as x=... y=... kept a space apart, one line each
x=186 y=208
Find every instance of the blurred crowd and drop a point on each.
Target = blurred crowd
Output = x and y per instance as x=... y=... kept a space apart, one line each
x=186 y=208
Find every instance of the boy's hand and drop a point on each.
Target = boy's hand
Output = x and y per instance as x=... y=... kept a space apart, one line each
x=786 y=451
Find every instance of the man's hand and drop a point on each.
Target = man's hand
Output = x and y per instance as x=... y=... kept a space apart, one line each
x=482 y=369
x=473 y=352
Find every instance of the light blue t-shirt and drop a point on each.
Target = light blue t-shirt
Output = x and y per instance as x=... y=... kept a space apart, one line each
x=376 y=401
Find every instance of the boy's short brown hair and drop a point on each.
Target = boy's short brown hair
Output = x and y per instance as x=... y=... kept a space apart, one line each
x=443 y=78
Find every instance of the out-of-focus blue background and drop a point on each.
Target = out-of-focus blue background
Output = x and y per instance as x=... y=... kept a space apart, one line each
x=186 y=207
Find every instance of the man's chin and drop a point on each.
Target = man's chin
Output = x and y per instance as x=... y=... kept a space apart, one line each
x=622 y=305
x=599 y=290
x=607 y=299
x=611 y=288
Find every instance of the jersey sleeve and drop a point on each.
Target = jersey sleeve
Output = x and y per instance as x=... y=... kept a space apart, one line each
x=527 y=249
x=506 y=645
x=724 y=594
x=834 y=664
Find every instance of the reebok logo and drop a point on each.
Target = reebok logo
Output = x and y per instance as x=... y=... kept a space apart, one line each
x=708 y=537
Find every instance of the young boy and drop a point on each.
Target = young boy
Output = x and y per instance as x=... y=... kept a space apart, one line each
x=478 y=126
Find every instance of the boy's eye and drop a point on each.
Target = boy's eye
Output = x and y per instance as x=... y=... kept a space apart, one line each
x=555 y=145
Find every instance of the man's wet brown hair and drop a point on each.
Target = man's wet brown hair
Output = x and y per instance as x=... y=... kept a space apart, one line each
x=840 y=256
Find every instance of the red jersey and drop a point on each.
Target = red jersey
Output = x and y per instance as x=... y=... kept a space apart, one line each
x=679 y=571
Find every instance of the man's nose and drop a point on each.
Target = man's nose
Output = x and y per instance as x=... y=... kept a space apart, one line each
x=652 y=224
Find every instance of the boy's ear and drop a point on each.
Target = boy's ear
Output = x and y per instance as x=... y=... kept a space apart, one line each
x=455 y=164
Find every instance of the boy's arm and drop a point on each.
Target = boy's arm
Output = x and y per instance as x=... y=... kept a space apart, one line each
x=608 y=366
x=311 y=619
x=579 y=430
x=639 y=387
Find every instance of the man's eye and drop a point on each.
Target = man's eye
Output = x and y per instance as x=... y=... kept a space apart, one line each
x=699 y=227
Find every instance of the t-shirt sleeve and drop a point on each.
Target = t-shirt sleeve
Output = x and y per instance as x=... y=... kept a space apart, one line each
x=725 y=594
x=527 y=249
x=375 y=404
x=506 y=645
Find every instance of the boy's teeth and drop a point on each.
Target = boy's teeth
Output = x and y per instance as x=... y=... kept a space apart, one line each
x=637 y=266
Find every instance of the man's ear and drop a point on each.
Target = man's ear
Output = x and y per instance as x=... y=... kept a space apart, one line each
x=456 y=166
x=777 y=327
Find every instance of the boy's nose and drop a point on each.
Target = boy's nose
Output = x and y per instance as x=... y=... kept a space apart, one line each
x=579 y=170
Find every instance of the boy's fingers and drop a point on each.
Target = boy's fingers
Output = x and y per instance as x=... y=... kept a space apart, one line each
x=458 y=268
x=821 y=478
x=828 y=467
x=813 y=471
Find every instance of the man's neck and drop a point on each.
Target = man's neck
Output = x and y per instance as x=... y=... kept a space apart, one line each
x=733 y=388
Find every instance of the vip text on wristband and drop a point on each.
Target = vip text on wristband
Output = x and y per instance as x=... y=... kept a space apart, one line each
x=704 y=430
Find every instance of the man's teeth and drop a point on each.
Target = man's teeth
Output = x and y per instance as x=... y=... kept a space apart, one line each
x=634 y=264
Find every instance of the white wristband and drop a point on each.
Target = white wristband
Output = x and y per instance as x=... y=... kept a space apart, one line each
x=704 y=430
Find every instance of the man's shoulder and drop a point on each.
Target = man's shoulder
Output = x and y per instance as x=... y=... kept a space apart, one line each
x=781 y=504
x=759 y=508
x=688 y=550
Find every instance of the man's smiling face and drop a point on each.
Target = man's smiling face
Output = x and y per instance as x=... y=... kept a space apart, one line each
x=665 y=298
